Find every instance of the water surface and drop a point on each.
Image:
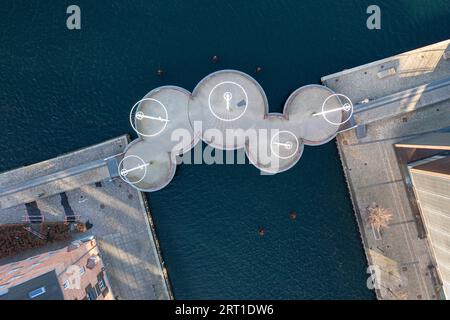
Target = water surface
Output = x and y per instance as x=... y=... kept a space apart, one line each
x=63 y=90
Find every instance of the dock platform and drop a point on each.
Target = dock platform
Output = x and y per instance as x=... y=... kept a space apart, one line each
x=410 y=100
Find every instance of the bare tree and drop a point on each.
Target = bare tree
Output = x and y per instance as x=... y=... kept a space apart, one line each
x=379 y=217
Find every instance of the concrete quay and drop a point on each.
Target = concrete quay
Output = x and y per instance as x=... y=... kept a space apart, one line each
x=85 y=184
x=64 y=173
x=412 y=99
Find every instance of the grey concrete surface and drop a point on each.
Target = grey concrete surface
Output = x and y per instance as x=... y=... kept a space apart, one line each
x=413 y=69
x=57 y=175
x=372 y=170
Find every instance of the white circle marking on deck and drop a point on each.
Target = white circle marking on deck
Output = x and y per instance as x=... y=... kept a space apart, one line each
x=222 y=83
x=123 y=177
x=337 y=95
x=165 y=119
x=276 y=153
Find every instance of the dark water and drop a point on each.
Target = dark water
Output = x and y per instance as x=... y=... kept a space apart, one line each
x=62 y=90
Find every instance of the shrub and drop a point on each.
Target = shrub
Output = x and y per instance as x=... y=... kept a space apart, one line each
x=15 y=239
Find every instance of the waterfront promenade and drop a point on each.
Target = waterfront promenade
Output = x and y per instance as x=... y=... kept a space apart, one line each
x=412 y=100
x=84 y=184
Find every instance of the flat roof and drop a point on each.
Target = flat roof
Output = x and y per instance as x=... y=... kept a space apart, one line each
x=47 y=280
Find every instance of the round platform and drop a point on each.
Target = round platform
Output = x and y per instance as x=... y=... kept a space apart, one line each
x=274 y=150
x=227 y=102
x=147 y=166
x=162 y=115
x=302 y=108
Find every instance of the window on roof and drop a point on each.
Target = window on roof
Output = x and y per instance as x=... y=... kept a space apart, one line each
x=36 y=293
x=101 y=284
x=82 y=270
x=66 y=285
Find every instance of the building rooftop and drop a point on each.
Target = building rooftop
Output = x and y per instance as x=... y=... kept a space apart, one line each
x=438 y=167
x=430 y=178
x=71 y=269
x=22 y=291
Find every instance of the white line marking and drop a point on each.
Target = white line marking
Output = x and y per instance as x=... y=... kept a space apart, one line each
x=346 y=107
x=140 y=115
x=125 y=172
x=287 y=145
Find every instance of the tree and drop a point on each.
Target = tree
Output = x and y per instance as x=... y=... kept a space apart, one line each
x=379 y=217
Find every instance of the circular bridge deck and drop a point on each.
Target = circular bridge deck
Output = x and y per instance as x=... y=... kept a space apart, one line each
x=229 y=110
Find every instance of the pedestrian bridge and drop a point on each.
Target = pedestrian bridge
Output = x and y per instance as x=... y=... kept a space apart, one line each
x=228 y=110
